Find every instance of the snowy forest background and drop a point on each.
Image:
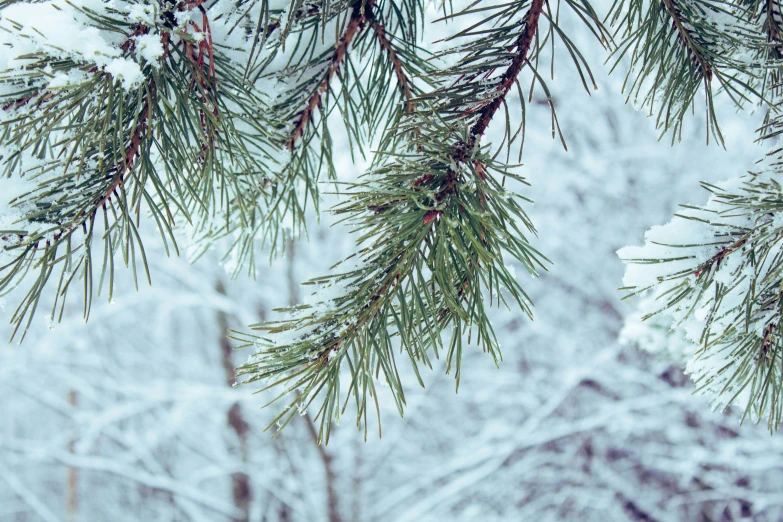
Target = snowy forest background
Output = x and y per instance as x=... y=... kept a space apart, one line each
x=133 y=416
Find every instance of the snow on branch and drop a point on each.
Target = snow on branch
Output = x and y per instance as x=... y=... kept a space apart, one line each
x=713 y=278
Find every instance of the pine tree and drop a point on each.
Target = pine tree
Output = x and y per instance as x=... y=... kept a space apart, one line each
x=214 y=118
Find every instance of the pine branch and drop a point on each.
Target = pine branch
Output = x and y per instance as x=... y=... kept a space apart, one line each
x=356 y=24
x=434 y=221
x=719 y=286
x=93 y=149
x=679 y=47
x=404 y=83
x=522 y=45
x=689 y=40
x=387 y=295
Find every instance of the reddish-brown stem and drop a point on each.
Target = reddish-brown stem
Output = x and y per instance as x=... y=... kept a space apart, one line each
x=773 y=31
x=523 y=44
x=130 y=44
x=135 y=142
x=431 y=215
x=767 y=339
x=772 y=9
x=717 y=258
x=403 y=82
x=355 y=24
x=685 y=37
x=25 y=100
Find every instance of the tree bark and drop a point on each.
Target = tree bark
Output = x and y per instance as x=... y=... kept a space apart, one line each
x=72 y=482
x=241 y=488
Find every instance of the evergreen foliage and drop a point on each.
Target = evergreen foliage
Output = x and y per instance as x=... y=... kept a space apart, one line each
x=713 y=274
x=166 y=111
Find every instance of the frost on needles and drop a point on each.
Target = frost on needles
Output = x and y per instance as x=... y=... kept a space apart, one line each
x=710 y=280
x=211 y=122
x=118 y=113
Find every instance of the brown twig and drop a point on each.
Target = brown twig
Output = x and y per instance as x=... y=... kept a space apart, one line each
x=522 y=44
x=403 y=81
x=687 y=39
x=461 y=149
x=135 y=142
x=773 y=9
x=15 y=104
x=359 y=17
x=717 y=258
x=767 y=341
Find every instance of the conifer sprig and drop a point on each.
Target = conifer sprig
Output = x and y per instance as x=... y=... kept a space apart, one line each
x=436 y=223
x=714 y=272
x=185 y=139
x=678 y=48
x=721 y=289
x=430 y=254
